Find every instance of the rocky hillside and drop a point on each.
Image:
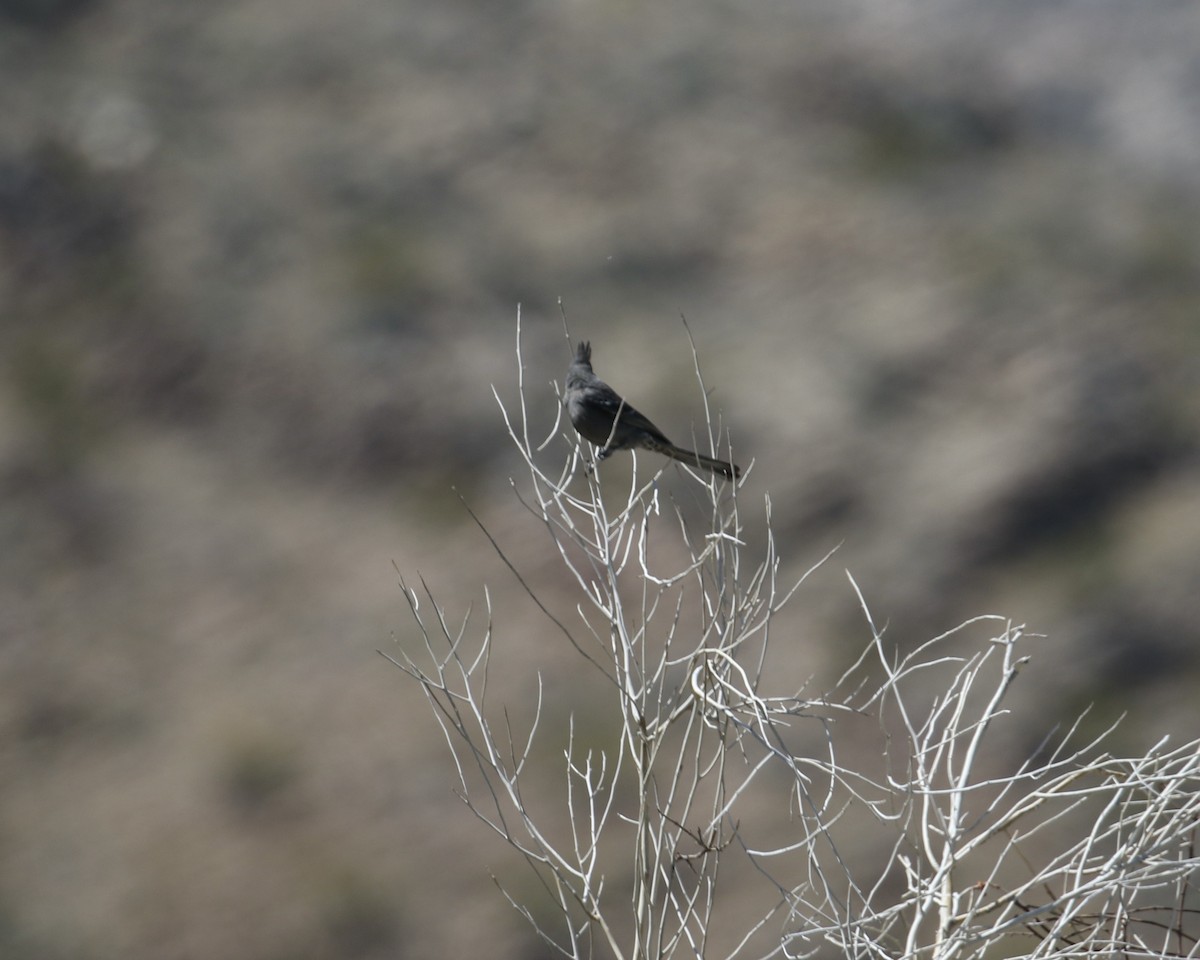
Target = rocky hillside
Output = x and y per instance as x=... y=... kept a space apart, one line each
x=260 y=264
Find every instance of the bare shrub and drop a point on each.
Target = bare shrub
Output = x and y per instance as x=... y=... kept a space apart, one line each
x=1074 y=853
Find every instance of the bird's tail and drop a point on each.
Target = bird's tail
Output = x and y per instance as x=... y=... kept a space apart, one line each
x=730 y=471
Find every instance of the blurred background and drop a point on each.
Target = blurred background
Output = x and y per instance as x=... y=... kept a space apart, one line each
x=260 y=264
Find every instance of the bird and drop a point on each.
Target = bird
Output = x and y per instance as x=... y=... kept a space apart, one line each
x=600 y=415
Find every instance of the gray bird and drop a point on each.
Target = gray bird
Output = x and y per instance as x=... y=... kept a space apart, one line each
x=594 y=407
